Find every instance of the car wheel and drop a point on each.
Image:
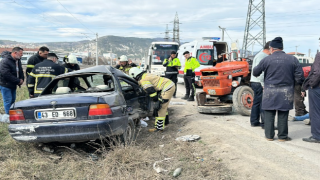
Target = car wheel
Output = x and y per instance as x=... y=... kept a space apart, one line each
x=243 y=100
x=129 y=134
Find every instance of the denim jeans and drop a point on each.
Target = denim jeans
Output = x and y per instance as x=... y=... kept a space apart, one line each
x=8 y=96
x=256 y=110
x=301 y=118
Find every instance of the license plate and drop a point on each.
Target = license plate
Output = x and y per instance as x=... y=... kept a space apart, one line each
x=55 y=114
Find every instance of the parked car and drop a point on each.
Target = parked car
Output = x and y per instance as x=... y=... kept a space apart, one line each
x=82 y=105
x=24 y=60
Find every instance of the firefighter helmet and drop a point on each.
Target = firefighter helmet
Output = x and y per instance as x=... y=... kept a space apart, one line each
x=123 y=58
x=72 y=59
x=134 y=72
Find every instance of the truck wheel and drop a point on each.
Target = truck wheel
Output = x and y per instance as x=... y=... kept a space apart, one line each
x=243 y=100
x=129 y=134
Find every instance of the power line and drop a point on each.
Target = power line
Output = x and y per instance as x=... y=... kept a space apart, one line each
x=75 y=17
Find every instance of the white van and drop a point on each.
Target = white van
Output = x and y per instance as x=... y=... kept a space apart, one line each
x=203 y=51
x=24 y=59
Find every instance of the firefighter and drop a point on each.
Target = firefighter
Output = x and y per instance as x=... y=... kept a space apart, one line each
x=191 y=64
x=160 y=90
x=42 y=74
x=41 y=55
x=124 y=65
x=71 y=63
x=173 y=65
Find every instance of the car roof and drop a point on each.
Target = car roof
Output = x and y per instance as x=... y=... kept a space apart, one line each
x=98 y=69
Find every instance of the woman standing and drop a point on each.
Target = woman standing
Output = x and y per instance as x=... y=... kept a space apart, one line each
x=312 y=83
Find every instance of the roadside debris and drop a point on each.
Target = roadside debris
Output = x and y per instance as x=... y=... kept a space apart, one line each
x=177 y=103
x=145 y=119
x=159 y=169
x=161 y=145
x=93 y=157
x=177 y=172
x=47 y=149
x=188 y=138
x=4 y=118
x=143 y=123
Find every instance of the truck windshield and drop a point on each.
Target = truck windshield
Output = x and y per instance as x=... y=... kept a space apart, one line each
x=204 y=56
x=162 y=51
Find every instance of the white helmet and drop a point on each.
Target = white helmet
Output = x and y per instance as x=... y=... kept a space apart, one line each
x=134 y=72
x=72 y=59
x=123 y=58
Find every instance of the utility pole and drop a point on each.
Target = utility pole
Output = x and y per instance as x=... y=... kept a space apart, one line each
x=296 y=50
x=223 y=29
x=252 y=48
x=176 y=29
x=255 y=25
x=96 y=49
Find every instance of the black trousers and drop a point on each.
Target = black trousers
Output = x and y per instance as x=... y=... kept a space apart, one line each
x=174 y=79
x=189 y=84
x=282 y=123
x=256 y=110
x=299 y=106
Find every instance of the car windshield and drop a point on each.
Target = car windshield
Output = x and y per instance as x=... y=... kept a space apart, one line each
x=83 y=83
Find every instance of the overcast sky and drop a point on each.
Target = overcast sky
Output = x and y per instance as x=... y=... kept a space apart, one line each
x=297 y=21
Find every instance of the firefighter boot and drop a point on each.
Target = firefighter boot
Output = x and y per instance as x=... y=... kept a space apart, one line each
x=191 y=98
x=185 y=97
x=166 y=121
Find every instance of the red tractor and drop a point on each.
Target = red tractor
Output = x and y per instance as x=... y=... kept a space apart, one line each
x=226 y=85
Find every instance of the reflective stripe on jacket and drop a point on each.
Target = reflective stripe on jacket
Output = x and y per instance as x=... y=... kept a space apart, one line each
x=42 y=74
x=158 y=83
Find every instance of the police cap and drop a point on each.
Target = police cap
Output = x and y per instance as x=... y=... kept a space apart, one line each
x=186 y=52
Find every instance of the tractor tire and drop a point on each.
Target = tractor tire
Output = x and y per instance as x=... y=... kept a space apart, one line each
x=243 y=100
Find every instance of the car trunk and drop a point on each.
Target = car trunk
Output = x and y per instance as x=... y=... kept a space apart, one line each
x=44 y=109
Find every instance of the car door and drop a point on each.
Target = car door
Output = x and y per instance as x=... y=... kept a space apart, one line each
x=134 y=95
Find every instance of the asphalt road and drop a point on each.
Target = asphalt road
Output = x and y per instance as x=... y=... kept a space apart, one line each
x=301 y=157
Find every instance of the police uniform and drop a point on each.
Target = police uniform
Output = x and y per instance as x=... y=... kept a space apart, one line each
x=190 y=65
x=152 y=84
x=42 y=74
x=172 y=70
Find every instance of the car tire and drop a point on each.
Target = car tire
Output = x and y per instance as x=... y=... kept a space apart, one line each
x=129 y=134
x=243 y=100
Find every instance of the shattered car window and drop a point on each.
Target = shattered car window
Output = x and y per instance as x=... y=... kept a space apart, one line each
x=81 y=84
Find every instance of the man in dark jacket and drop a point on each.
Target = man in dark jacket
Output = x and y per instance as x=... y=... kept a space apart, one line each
x=281 y=72
x=43 y=73
x=41 y=55
x=11 y=75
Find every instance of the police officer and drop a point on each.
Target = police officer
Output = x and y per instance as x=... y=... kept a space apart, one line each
x=152 y=84
x=41 y=55
x=43 y=73
x=172 y=64
x=191 y=64
x=124 y=65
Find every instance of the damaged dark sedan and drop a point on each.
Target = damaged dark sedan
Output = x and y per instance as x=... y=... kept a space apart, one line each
x=80 y=106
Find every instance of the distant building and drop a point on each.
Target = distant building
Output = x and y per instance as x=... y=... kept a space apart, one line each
x=109 y=55
x=26 y=52
x=302 y=58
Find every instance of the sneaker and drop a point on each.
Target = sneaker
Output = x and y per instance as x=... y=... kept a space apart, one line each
x=286 y=139
x=185 y=97
x=269 y=139
x=307 y=122
x=5 y=119
x=191 y=98
x=310 y=139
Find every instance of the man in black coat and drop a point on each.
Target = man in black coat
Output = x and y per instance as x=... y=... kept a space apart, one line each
x=281 y=73
x=11 y=75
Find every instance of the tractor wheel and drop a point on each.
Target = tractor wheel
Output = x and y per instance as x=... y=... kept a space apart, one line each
x=243 y=100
